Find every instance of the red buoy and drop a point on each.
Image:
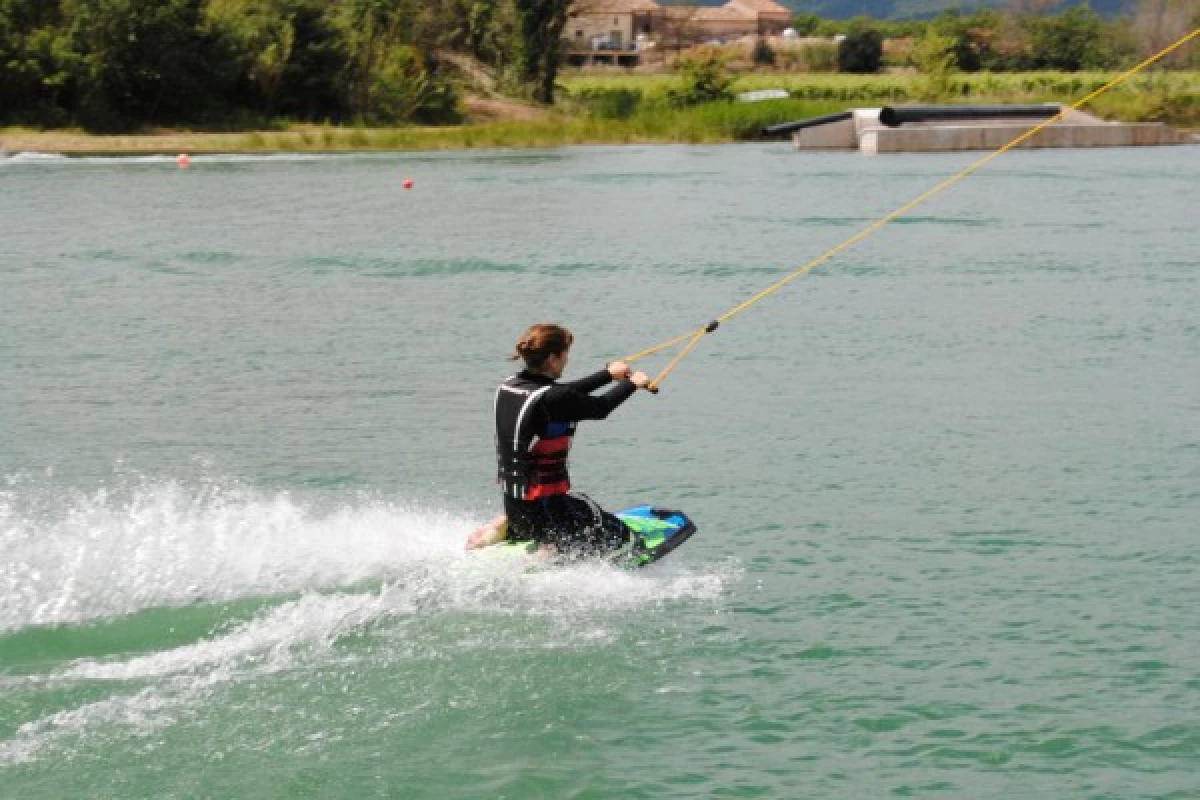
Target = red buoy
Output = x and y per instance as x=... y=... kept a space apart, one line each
x=408 y=184
x=183 y=160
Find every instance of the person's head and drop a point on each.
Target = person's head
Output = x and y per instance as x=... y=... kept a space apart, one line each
x=544 y=348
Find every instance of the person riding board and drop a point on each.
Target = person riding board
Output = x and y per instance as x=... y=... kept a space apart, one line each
x=535 y=419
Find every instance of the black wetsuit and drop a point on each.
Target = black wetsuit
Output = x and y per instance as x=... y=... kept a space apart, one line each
x=535 y=420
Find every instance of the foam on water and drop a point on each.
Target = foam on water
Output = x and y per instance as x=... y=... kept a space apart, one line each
x=325 y=571
x=112 y=552
x=33 y=158
x=297 y=632
x=90 y=556
x=61 y=160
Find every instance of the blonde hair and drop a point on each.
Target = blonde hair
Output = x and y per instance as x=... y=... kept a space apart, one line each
x=540 y=342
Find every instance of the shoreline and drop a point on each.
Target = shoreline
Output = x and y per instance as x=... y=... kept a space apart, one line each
x=496 y=123
x=334 y=141
x=274 y=143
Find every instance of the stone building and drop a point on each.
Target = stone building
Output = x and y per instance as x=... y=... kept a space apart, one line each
x=626 y=25
x=610 y=24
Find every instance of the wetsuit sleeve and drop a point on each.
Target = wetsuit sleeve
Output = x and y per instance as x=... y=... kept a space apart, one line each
x=564 y=403
x=590 y=383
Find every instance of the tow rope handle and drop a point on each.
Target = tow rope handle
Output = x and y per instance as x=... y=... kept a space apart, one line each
x=652 y=386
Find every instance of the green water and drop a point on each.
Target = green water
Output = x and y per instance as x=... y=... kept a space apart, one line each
x=948 y=486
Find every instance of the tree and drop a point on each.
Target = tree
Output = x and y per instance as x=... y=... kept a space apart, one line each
x=489 y=31
x=390 y=78
x=1071 y=41
x=704 y=78
x=35 y=64
x=408 y=89
x=262 y=35
x=934 y=56
x=369 y=30
x=1008 y=46
x=805 y=24
x=145 y=61
x=763 y=54
x=540 y=25
x=861 y=52
x=1159 y=23
x=971 y=37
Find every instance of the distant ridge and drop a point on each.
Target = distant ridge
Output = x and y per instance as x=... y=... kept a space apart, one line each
x=903 y=9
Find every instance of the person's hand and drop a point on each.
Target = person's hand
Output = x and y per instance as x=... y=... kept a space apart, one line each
x=489 y=534
x=640 y=380
x=619 y=370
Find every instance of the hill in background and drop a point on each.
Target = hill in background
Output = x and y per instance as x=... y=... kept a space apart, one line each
x=903 y=9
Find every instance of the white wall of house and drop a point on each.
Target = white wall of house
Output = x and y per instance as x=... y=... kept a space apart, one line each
x=615 y=28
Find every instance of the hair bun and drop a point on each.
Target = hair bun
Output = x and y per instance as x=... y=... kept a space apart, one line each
x=541 y=341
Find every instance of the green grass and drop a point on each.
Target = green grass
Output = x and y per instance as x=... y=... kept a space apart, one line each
x=710 y=123
x=809 y=84
x=1172 y=97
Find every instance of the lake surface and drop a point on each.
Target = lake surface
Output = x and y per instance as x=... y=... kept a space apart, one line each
x=948 y=484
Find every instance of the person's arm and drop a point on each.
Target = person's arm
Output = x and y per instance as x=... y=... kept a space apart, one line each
x=590 y=383
x=564 y=404
x=615 y=371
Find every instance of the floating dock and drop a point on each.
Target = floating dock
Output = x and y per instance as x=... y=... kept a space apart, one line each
x=932 y=129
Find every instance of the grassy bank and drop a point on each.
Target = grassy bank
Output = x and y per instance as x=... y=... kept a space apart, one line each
x=1170 y=97
x=711 y=123
x=627 y=109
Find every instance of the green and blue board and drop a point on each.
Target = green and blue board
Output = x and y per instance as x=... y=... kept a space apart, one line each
x=655 y=533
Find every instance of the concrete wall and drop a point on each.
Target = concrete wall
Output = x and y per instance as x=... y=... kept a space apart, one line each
x=842 y=135
x=993 y=136
x=1076 y=129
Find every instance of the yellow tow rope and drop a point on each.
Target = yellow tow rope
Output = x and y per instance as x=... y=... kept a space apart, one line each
x=693 y=337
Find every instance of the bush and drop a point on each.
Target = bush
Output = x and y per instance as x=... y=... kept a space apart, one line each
x=1072 y=41
x=821 y=57
x=610 y=103
x=934 y=56
x=406 y=88
x=861 y=52
x=763 y=54
x=704 y=79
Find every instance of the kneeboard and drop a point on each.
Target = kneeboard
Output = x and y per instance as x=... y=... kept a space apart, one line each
x=655 y=532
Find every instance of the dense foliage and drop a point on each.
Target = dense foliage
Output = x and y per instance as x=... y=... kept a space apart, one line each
x=129 y=64
x=704 y=79
x=860 y=52
x=120 y=64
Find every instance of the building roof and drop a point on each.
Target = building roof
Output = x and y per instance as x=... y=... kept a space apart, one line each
x=725 y=13
x=613 y=7
x=732 y=10
x=760 y=6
